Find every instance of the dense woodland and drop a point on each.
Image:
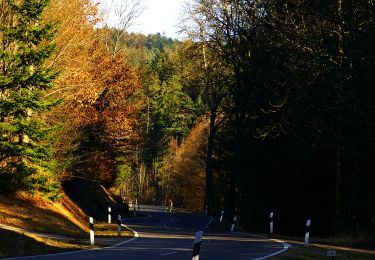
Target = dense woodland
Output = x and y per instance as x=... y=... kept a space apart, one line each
x=264 y=106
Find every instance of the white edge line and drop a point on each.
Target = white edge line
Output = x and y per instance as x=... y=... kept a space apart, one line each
x=84 y=250
x=126 y=241
x=285 y=248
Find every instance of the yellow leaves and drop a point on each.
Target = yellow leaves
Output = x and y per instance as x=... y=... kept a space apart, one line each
x=30 y=69
x=74 y=39
x=97 y=87
x=189 y=167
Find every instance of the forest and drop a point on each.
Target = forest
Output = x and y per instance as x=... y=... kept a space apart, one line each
x=263 y=106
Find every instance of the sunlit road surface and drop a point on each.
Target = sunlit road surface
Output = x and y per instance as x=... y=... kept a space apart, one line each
x=165 y=235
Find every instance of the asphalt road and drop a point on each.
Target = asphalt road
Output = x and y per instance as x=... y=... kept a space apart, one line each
x=165 y=235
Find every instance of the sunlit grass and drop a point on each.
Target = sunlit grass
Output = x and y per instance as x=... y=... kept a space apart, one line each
x=64 y=218
x=35 y=214
x=110 y=230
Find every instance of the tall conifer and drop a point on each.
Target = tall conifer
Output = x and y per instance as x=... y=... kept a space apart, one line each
x=24 y=78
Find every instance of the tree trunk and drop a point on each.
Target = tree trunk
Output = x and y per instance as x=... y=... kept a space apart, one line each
x=233 y=194
x=209 y=198
x=339 y=177
x=339 y=184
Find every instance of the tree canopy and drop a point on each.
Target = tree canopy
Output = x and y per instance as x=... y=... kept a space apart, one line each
x=266 y=106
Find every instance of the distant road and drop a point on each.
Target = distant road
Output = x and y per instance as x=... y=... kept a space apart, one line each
x=170 y=235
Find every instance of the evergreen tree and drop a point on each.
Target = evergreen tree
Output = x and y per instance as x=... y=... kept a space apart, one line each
x=24 y=78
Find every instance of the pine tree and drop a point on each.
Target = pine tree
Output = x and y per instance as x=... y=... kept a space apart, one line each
x=24 y=78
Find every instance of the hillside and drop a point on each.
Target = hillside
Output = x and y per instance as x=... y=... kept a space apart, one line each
x=36 y=214
x=93 y=198
x=66 y=219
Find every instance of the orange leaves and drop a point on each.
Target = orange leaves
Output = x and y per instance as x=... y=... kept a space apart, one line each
x=115 y=105
x=110 y=120
x=189 y=168
x=100 y=113
x=74 y=40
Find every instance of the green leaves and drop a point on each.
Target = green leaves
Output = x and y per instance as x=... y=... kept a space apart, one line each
x=171 y=110
x=30 y=10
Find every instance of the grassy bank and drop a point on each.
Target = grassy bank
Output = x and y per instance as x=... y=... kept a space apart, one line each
x=36 y=214
x=39 y=215
x=33 y=214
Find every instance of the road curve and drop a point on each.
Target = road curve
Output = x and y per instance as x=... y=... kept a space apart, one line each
x=170 y=235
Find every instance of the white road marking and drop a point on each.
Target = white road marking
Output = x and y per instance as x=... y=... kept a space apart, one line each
x=170 y=253
x=285 y=248
x=126 y=241
x=86 y=250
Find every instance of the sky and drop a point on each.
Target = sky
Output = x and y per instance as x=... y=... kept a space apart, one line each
x=158 y=16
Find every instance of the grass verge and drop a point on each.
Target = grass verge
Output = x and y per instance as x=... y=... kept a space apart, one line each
x=14 y=244
x=110 y=230
x=314 y=252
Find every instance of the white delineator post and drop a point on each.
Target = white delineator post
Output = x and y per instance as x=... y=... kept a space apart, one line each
x=119 y=225
x=271 y=223
x=307 y=235
x=233 y=224
x=109 y=215
x=221 y=216
x=170 y=210
x=197 y=245
x=92 y=235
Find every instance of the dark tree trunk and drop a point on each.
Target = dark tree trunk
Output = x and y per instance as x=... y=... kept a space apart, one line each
x=209 y=191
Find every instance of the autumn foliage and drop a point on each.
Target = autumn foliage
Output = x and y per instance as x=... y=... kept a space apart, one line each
x=96 y=121
x=109 y=128
x=189 y=168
